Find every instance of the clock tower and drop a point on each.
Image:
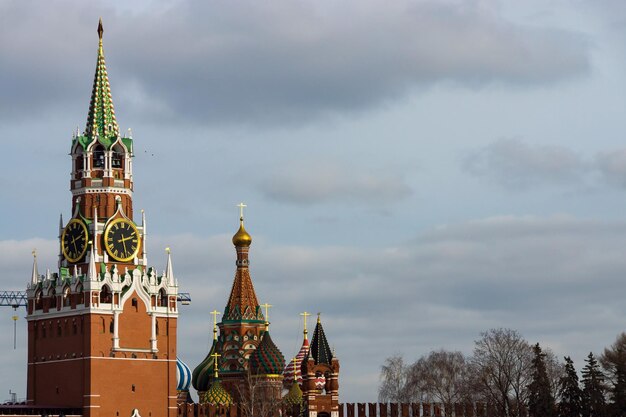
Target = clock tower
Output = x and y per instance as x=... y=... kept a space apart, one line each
x=102 y=330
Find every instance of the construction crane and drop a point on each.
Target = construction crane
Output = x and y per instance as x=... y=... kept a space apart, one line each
x=17 y=299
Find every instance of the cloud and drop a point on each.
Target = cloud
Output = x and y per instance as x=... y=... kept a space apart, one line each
x=514 y=164
x=557 y=279
x=241 y=62
x=327 y=182
x=612 y=167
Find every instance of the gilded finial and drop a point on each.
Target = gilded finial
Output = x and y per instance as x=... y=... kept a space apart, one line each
x=267 y=315
x=100 y=29
x=34 y=252
x=215 y=356
x=304 y=316
x=168 y=250
x=241 y=206
x=318 y=317
x=215 y=313
x=242 y=238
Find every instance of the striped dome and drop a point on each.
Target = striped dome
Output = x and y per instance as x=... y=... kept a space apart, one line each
x=183 y=376
x=292 y=373
x=216 y=395
x=267 y=359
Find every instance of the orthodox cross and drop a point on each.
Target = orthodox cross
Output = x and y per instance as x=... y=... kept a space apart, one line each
x=215 y=313
x=241 y=206
x=305 y=315
x=267 y=314
x=215 y=356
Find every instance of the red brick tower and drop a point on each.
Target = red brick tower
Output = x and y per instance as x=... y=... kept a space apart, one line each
x=102 y=331
x=320 y=372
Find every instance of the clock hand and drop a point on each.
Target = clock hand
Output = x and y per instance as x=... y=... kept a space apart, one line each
x=123 y=240
x=74 y=243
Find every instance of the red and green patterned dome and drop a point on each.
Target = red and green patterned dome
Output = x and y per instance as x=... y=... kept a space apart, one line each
x=267 y=359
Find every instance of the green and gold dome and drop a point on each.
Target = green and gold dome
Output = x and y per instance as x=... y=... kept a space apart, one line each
x=216 y=395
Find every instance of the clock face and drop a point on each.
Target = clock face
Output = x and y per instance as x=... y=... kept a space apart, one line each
x=121 y=240
x=74 y=240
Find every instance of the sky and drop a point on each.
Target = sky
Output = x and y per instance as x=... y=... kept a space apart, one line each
x=417 y=171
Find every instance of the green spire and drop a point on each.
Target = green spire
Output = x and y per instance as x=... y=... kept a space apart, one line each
x=101 y=121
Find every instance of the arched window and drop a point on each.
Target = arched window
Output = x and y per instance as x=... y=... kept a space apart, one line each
x=162 y=300
x=105 y=295
x=66 y=297
x=53 y=297
x=38 y=303
x=98 y=157
x=79 y=164
x=81 y=295
x=117 y=158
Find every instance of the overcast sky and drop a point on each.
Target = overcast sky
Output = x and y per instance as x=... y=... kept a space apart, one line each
x=418 y=171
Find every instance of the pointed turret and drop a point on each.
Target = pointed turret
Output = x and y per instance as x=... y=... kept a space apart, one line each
x=320 y=350
x=320 y=371
x=92 y=272
x=101 y=122
x=169 y=271
x=34 y=279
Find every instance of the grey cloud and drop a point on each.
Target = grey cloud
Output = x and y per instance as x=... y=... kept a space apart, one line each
x=612 y=167
x=280 y=63
x=514 y=164
x=323 y=182
x=552 y=278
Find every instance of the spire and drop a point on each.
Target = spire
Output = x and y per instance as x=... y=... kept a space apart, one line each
x=34 y=279
x=101 y=121
x=242 y=302
x=92 y=272
x=320 y=350
x=169 y=271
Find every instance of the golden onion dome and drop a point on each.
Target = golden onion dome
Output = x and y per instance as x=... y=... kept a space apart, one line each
x=242 y=238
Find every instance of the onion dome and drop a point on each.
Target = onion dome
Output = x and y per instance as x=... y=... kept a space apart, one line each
x=267 y=359
x=242 y=238
x=183 y=376
x=216 y=395
x=203 y=374
x=294 y=372
x=294 y=396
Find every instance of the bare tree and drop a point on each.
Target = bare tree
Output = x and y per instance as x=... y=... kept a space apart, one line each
x=259 y=397
x=556 y=371
x=502 y=362
x=442 y=376
x=393 y=381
